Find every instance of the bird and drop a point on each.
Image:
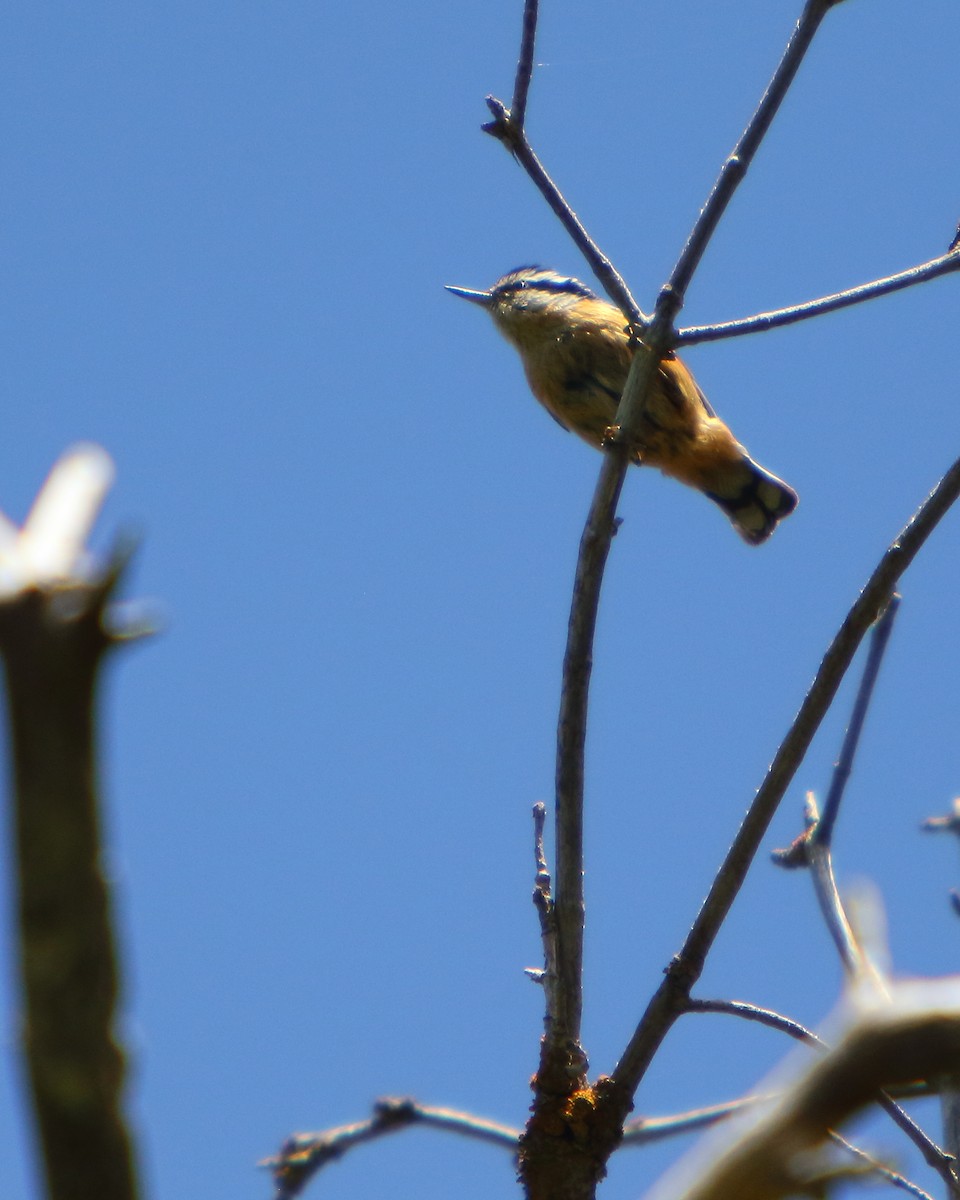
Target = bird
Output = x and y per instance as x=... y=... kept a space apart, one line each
x=576 y=352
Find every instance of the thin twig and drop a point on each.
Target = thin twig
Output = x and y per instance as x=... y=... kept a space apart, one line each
x=820 y=861
x=304 y=1154
x=949 y=1087
x=521 y=86
x=819 y=858
x=806 y=852
x=947 y=824
x=739 y=160
x=562 y=918
x=761 y=322
x=644 y=1130
x=671 y=997
x=892 y=1177
x=933 y=1155
x=507 y=127
x=818 y=844
x=915 y=1036
x=823 y=831
x=660 y=335
x=763 y=1016
x=543 y=901
x=503 y=128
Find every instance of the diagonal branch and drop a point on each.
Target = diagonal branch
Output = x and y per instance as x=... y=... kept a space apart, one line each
x=304 y=1154
x=933 y=1155
x=894 y=1178
x=917 y=1034
x=645 y=1130
x=738 y=162
x=505 y=130
x=507 y=127
x=823 y=832
x=671 y=998
x=763 y=1016
x=660 y=336
x=521 y=86
x=759 y=323
x=813 y=849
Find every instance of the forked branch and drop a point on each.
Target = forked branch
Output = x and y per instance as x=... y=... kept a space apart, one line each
x=672 y=996
x=658 y=339
x=304 y=1154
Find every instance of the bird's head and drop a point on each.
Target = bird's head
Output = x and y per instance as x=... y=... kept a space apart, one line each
x=527 y=299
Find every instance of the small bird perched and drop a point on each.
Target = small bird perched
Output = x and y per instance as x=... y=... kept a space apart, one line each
x=576 y=354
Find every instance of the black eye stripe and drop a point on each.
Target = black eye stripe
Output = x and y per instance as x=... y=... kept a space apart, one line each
x=543 y=281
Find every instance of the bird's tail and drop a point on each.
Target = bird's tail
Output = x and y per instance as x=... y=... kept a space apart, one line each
x=754 y=500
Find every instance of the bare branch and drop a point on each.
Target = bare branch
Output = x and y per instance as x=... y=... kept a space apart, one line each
x=304 y=1154
x=813 y=848
x=915 y=1036
x=740 y=158
x=654 y=1129
x=823 y=830
x=571 y=736
x=594 y=546
x=543 y=901
x=892 y=1177
x=932 y=1154
x=763 y=1016
x=660 y=335
x=562 y=1067
x=950 y=1116
x=819 y=858
x=671 y=997
x=521 y=87
x=761 y=322
x=505 y=130
x=947 y=824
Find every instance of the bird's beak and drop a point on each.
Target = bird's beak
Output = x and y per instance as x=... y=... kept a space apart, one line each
x=483 y=298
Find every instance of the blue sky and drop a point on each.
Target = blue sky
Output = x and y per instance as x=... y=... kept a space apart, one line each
x=225 y=231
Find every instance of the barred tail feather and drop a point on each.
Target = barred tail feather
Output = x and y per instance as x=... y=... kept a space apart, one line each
x=754 y=500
